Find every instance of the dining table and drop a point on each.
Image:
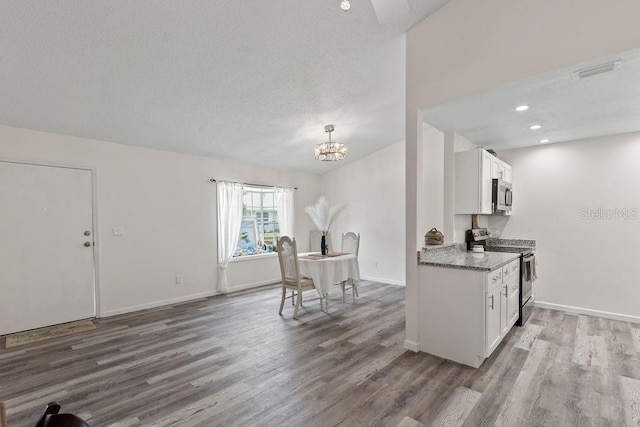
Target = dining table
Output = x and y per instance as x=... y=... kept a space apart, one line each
x=328 y=270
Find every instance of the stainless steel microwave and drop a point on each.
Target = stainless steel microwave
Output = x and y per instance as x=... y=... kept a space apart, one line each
x=502 y=196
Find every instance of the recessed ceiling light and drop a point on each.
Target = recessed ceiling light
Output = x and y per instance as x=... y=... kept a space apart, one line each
x=544 y=141
x=535 y=127
x=345 y=5
x=522 y=108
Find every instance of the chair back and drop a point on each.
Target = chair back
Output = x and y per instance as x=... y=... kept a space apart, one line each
x=350 y=243
x=288 y=257
x=52 y=418
x=315 y=239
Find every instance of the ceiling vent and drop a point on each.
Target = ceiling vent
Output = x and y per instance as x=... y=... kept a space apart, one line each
x=598 y=69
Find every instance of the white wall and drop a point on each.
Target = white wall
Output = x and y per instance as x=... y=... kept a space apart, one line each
x=430 y=212
x=372 y=189
x=468 y=46
x=586 y=263
x=166 y=205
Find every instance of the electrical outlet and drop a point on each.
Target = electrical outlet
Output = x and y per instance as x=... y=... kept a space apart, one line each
x=178 y=279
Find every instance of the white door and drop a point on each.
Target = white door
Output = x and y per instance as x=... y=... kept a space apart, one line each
x=46 y=271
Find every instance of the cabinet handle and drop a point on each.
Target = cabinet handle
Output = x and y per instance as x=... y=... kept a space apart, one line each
x=491 y=306
x=506 y=290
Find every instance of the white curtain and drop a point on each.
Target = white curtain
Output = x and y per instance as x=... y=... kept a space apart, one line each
x=229 y=220
x=285 y=209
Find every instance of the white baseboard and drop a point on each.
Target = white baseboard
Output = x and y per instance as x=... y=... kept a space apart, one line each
x=155 y=304
x=412 y=345
x=381 y=280
x=254 y=285
x=587 y=311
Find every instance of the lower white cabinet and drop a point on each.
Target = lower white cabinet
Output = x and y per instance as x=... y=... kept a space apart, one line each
x=464 y=313
x=495 y=318
x=503 y=302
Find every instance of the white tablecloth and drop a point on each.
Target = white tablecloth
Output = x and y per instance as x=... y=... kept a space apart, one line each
x=326 y=272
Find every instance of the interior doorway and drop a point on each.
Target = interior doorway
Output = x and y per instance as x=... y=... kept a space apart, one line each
x=47 y=273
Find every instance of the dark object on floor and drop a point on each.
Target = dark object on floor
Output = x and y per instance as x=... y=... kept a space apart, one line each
x=51 y=418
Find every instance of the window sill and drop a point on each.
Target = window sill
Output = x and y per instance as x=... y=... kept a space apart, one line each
x=250 y=257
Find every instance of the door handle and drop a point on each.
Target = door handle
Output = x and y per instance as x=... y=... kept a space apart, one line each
x=87 y=244
x=87 y=233
x=491 y=307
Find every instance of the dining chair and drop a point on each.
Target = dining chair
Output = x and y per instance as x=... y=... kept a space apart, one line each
x=315 y=237
x=290 y=272
x=351 y=245
x=3 y=415
x=51 y=418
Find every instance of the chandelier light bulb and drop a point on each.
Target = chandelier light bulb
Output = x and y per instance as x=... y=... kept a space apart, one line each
x=345 y=5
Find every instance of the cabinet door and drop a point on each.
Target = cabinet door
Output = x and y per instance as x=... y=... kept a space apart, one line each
x=486 y=184
x=508 y=173
x=504 y=313
x=495 y=168
x=513 y=297
x=494 y=319
x=513 y=306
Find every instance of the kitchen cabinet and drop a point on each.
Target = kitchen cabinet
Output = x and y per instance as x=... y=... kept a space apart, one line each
x=511 y=286
x=474 y=172
x=508 y=173
x=495 y=318
x=473 y=180
x=465 y=314
x=500 y=169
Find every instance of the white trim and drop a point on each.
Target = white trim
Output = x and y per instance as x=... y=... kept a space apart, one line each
x=412 y=345
x=256 y=256
x=49 y=164
x=160 y=303
x=254 y=285
x=386 y=281
x=96 y=241
x=587 y=311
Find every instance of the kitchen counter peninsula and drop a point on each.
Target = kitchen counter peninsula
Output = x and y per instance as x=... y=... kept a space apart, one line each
x=469 y=301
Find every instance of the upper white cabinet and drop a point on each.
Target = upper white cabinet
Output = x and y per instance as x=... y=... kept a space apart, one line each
x=500 y=170
x=474 y=172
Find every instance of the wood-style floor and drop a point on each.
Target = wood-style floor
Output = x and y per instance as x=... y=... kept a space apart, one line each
x=231 y=360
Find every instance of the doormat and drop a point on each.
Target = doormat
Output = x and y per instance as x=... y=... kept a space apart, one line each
x=42 y=334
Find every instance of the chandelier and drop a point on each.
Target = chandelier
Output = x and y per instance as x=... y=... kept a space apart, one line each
x=331 y=150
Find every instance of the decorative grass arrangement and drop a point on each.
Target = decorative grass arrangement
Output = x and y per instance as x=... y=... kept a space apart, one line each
x=322 y=214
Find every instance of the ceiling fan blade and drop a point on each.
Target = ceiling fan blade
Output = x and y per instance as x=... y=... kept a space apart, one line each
x=389 y=11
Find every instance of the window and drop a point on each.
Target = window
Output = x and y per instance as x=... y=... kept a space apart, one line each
x=259 y=209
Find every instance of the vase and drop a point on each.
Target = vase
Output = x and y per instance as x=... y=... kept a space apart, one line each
x=323 y=245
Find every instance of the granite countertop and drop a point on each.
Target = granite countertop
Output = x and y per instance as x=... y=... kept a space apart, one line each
x=486 y=261
x=456 y=255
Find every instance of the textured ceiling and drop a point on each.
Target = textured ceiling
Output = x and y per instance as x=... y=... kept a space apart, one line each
x=567 y=108
x=252 y=80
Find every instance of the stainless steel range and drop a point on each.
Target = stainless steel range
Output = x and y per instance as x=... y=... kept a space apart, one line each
x=480 y=236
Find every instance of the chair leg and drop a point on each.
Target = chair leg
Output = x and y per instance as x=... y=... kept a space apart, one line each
x=343 y=285
x=293 y=297
x=284 y=295
x=354 y=290
x=295 y=312
x=326 y=303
